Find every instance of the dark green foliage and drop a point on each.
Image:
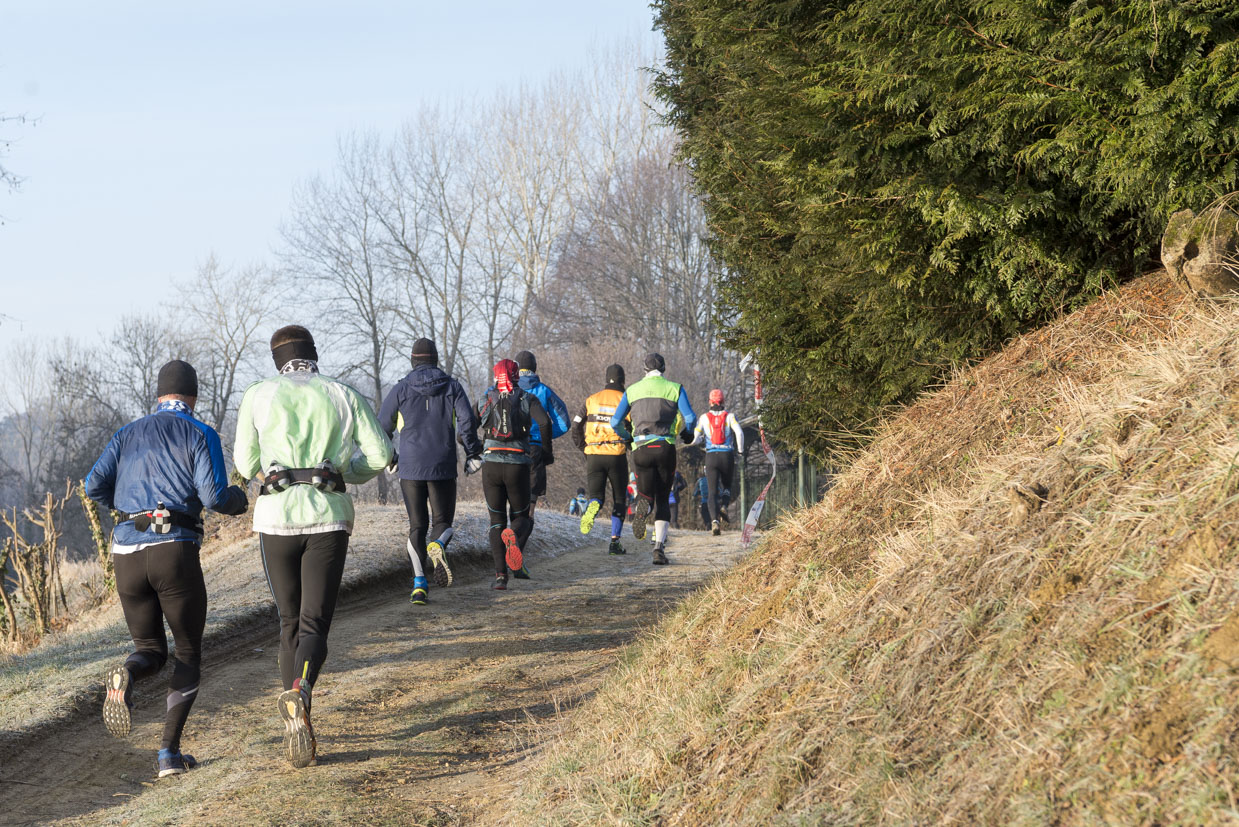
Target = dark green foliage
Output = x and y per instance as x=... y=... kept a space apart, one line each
x=900 y=185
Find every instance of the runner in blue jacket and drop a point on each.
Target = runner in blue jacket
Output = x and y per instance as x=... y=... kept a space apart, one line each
x=433 y=413
x=160 y=472
x=558 y=413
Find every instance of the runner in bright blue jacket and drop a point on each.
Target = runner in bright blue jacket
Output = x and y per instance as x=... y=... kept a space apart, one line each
x=538 y=458
x=555 y=409
x=169 y=457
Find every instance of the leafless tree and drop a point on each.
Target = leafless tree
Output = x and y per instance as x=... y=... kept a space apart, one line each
x=334 y=255
x=433 y=210
x=8 y=178
x=32 y=410
x=534 y=154
x=136 y=349
x=222 y=316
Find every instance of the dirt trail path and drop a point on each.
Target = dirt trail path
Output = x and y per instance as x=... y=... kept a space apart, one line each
x=424 y=715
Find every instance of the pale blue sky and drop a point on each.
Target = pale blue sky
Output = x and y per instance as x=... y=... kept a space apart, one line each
x=168 y=130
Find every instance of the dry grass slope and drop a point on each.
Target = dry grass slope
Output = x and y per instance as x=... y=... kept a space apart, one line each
x=1019 y=605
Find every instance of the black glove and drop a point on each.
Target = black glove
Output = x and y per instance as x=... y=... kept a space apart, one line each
x=236 y=502
x=686 y=436
x=548 y=458
x=395 y=460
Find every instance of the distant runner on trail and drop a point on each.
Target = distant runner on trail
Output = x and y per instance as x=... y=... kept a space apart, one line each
x=433 y=413
x=540 y=455
x=507 y=415
x=659 y=409
x=577 y=503
x=160 y=472
x=716 y=429
x=677 y=494
x=309 y=435
x=606 y=455
x=702 y=492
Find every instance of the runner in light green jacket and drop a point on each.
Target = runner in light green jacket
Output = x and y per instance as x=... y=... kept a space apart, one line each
x=308 y=436
x=298 y=419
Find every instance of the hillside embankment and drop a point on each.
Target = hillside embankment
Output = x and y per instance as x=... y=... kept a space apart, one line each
x=1018 y=605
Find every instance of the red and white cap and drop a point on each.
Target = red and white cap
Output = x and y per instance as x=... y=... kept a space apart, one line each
x=716 y=397
x=506 y=373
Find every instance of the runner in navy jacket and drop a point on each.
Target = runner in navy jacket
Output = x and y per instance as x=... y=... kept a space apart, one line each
x=160 y=472
x=433 y=413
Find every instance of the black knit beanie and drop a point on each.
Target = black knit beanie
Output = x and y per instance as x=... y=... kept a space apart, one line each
x=615 y=376
x=656 y=362
x=424 y=353
x=525 y=361
x=177 y=378
x=292 y=342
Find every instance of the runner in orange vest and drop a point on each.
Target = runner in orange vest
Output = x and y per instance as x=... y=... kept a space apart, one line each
x=606 y=455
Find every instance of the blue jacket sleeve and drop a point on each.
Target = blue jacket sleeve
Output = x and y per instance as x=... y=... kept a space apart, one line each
x=387 y=413
x=558 y=413
x=211 y=475
x=101 y=481
x=617 y=420
x=686 y=411
x=466 y=423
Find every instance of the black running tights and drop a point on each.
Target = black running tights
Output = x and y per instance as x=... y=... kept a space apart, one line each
x=157 y=582
x=719 y=466
x=506 y=486
x=440 y=495
x=655 y=466
x=601 y=469
x=304 y=571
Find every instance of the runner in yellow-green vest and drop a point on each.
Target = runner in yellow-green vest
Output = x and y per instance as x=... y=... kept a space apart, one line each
x=657 y=410
x=310 y=437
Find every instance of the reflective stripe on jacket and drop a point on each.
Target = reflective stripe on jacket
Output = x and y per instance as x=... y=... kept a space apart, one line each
x=600 y=437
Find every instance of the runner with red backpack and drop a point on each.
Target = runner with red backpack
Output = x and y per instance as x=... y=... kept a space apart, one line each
x=505 y=414
x=716 y=428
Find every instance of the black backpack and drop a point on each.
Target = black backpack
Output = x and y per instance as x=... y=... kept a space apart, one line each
x=507 y=417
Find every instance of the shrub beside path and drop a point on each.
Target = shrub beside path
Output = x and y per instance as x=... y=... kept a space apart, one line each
x=424 y=714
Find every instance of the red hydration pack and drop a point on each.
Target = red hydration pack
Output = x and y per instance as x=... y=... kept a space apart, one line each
x=716 y=427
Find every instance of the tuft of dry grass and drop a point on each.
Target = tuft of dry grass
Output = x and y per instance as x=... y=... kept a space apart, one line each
x=1020 y=604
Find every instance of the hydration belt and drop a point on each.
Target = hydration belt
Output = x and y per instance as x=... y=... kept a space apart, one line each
x=162 y=520
x=324 y=478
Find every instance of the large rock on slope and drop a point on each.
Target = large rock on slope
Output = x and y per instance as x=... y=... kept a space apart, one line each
x=1202 y=251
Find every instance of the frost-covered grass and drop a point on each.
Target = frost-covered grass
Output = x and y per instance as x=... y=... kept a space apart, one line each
x=62 y=674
